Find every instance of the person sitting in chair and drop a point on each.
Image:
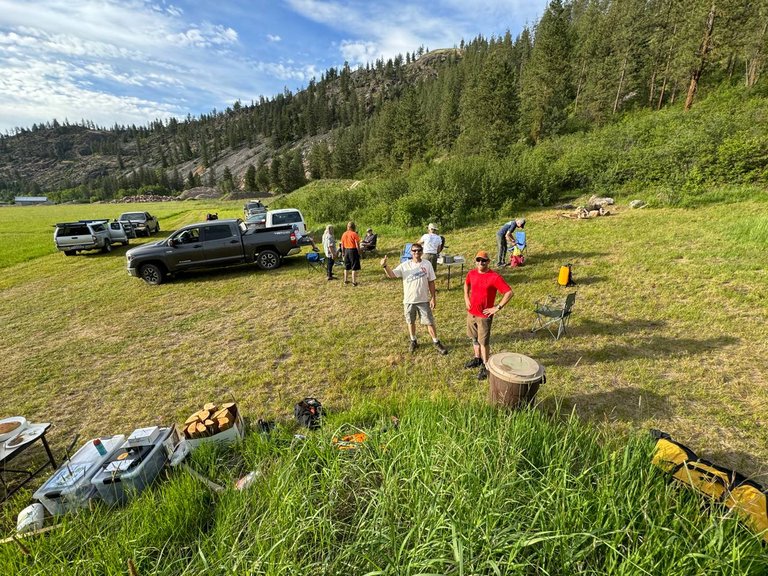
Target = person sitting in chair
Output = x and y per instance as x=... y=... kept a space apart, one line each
x=369 y=242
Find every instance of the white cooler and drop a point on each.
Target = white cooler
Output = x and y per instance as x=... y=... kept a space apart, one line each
x=70 y=486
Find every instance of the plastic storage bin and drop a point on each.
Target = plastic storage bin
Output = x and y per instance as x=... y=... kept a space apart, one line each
x=133 y=467
x=70 y=486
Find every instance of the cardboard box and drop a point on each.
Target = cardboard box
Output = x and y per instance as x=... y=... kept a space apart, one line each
x=229 y=436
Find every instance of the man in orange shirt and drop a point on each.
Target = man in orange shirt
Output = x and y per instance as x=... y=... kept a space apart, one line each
x=350 y=244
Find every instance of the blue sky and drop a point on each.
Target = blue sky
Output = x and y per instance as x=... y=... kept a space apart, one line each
x=132 y=61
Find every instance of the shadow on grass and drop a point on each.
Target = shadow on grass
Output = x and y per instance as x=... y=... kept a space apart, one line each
x=564 y=256
x=626 y=404
x=654 y=347
x=214 y=274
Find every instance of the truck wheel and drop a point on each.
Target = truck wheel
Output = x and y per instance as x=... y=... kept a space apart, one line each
x=151 y=274
x=157 y=228
x=107 y=246
x=268 y=260
x=70 y=252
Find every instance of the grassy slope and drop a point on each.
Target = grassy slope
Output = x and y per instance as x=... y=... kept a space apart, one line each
x=669 y=329
x=456 y=489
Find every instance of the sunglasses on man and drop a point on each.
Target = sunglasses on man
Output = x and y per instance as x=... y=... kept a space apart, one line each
x=483 y=260
x=416 y=250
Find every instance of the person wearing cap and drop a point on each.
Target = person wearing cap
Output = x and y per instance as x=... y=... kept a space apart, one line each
x=369 y=242
x=480 y=289
x=419 y=294
x=433 y=244
x=504 y=236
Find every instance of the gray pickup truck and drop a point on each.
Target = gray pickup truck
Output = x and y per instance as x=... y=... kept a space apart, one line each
x=212 y=244
x=74 y=237
x=142 y=222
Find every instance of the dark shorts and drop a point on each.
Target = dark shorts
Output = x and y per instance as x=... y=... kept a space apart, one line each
x=479 y=329
x=351 y=259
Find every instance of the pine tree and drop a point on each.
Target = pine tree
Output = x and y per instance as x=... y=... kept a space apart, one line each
x=250 y=178
x=489 y=105
x=547 y=90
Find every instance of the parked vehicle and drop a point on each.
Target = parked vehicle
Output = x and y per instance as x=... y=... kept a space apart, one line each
x=74 y=237
x=273 y=218
x=212 y=244
x=143 y=222
x=253 y=207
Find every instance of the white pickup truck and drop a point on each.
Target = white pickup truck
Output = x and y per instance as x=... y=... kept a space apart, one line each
x=73 y=237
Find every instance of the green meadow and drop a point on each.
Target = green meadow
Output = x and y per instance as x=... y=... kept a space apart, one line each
x=669 y=331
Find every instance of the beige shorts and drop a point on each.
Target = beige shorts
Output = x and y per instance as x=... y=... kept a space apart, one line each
x=479 y=329
x=420 y=309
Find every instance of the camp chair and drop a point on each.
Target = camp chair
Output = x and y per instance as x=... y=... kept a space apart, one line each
x=553 y=312
x=315 y=261
x=406 y=254
x=521 y=242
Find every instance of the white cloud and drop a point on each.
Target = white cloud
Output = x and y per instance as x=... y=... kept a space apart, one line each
x=358 y=53
x=389 y=27
x=98 y=59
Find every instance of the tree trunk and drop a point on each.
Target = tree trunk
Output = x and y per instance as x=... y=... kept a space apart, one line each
x=706 y=45
x=755 y=63
x=662 y=93
x=621 y=82
x=578 y=88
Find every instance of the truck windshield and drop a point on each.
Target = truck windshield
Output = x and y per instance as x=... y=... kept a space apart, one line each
x=132 y=216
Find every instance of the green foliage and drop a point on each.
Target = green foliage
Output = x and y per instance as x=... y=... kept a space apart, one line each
x=462 y=489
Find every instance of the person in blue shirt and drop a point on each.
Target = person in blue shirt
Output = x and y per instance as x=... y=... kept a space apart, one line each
x=502 y=236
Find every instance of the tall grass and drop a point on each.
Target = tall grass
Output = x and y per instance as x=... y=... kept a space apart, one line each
x=456 y=489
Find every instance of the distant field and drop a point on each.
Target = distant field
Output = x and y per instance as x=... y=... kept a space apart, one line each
x=670 y=328
x=26 y=232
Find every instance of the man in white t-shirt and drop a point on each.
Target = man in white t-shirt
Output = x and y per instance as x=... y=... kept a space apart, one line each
x=419 y=296
x=432 y=244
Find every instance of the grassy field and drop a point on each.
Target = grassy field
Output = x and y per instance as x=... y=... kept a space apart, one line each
x=455 y=489
x=669 y=331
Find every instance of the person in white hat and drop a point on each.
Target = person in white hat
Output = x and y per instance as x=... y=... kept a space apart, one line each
x=432 y=244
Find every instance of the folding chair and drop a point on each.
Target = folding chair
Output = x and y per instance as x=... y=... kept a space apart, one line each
x=406 y=254
x=554 y=312
x=315 y=261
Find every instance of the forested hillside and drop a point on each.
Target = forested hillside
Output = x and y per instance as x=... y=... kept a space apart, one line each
x=520 y=104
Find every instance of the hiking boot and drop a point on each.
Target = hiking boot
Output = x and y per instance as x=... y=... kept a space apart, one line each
x=483 y=374
x=440 y=348
x=474 y=363
x=412 y=346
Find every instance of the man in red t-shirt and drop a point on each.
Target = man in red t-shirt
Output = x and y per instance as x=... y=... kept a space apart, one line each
x=480 y=289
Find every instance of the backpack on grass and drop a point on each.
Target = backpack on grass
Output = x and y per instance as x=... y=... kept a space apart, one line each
x=727 y=487
x=565 y=277
x=308 y=413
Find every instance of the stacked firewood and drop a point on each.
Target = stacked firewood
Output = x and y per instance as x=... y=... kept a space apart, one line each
x=211 y=420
